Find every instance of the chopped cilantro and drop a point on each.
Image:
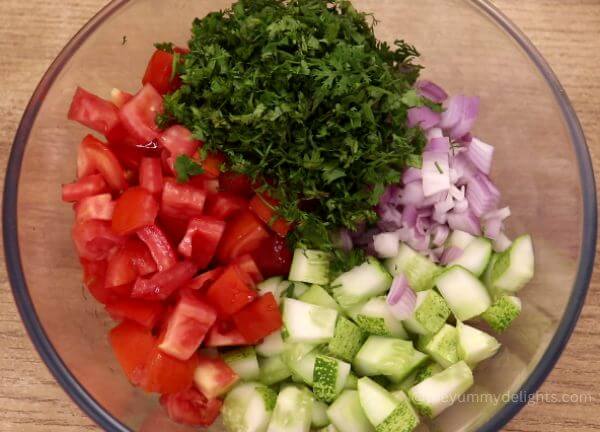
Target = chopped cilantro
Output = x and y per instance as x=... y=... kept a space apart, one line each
x=185 y=167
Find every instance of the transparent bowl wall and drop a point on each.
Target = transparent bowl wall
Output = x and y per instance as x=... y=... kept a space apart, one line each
x=541 y=166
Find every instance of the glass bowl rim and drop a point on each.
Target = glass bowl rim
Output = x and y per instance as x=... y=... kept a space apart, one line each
x=103 y=418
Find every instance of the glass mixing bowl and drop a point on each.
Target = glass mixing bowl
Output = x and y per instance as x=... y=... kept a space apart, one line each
x=542 y=167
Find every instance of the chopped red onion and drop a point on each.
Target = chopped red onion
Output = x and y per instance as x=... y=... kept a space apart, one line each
x=434 y=133
x=482 y=195
x=390 y=218
x=440 y=234
x=465 y=221
x=409 y=216
x=424 y=117
x=450 y=254
x=481 y=155
x=461 y=206
x=423 y=223
x=438 y=145
x=470 y=110
x=431 y=91
x=445 y=205
x=386 y=244
x=466 y=138
x=410 y=175
x=491 y=228
x=453 y=109
x=501 y=214
x=401 y=299
x=436 y=172
x=412 y=193
x=501 y=243
x=456 y=193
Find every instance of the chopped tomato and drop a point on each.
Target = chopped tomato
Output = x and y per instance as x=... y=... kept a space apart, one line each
x=264 y=207
x=165 y=374
x=94 y=273
x=224 y=205
x=100 y=207
x=182 y=200
x=164 y=283
x=138 y=115
x=174 y=227
x=94 y=239
x=259 y=319
x=140 y=256
x=213 y=377
x=206 y=183
x=151 y=176
x=133 y=259
x=205 y=278
x=212 y=164
x=84 y=187
x=135 y=209
x=120 y=97
x=132 y=344
x=231 y=291
x=178 y=141
x=243 y=234
x=247 y=264
x=273 y=257
x=159 y=73
x=224 y=334
x=144 y=313
x=100 y=158
x=93 y=112
x=192 y=408
x=187 y=327
x=159 y=245
x=129 y=156
x=236 y=184
x=120 y=138
x=201 y=239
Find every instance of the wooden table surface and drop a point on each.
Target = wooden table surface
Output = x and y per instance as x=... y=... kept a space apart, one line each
x=32 y=32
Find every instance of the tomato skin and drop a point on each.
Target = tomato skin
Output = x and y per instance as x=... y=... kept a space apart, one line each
x=151 y=176
x=159 y=246
x=236 y=184
x=247 y=265
x=93 y=112
x=135 y=209
x=94 y=239
x=132 y=344
x=224 y=334
x=138 y=115
x=187 y=327
x=264 y=207
x=167 y=375
x=243 y=234
x=273 y=257
x=164 y=283
x=192 y=408
x=201 y=240
x=133 y=259
x=142 y=312
x=159 y=72
x=213 y=377
x=178 y=141
x=182 y=200
x=224 y=205
x=84 y=187
x=96 y=156
x=259 y=319
x=100 y=207
x=231 y=291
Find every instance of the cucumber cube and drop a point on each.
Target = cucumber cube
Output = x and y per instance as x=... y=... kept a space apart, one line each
x=318 y=296
x=459 y=239
x=329 y=428
x=300 y=359
x=293 y=411
x=428 y=369
x=347 y=415
x=347 y=340
x=418 y=270
x=502 y=313
x=351 y=382
x=309 y=323
x=377 y=403
x=319 y=414
x=475 y=345
x=273 y=370
x=475 y=256
x=430 y=314
x=435 y=394
x=274 y=286
x=403 y=419
x=464 y=293
x=244 y=363
x=248 y=408
x=442 y=346
x=310 y=266
x=271 y=346
x=514 y=267
x=363 y=282
x=374 y=317
x=329 y=377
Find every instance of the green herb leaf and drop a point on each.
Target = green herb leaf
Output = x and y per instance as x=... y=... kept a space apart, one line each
x=185 y=167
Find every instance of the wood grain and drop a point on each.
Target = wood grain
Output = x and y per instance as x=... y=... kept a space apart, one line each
x=32 y=32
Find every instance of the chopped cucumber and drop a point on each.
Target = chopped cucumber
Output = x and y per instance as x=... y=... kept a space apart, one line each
x=374 y=317
x=442 y=346
x=293 y=411
x=273 y=370
x=465 y=294
x=248 y=408
x=244 y=363
x=347 y=340
x=487 y=274
x=435 y=394
x=361 y=283
x=300 y=359
x=394 y=358
x=430 y=314
x=271 y=346
x=274 y=286
x=386 y=412
x=329 y=377
x=305 y=322
x=318 y=296
x=418 y=270
x=297 y=289
x=347 y=415
x=319 y=414
x=475 y=256
x=515 y=266
x=351 y=382
x=328 y=428
x=310 y=266
x=474 y=345
x=428 y=369
x=502 y=313
x=459 y=239
x=403 y=419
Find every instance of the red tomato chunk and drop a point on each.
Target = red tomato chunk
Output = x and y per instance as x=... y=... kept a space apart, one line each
x=95 y=156
x=243 y=234
x=100 y=207
x=159 y=73
x=94 y=112
x=142 y=312
x=138 y=116
x=259 y=319
x=135 y=209
x=201 y=239
x=213 y=377
x=192 y=408
x=151 y=176
x=164 y=283
x=231 y=291
x=224 y=334
x=159 y=246
x=86 y=186
x=182 y=200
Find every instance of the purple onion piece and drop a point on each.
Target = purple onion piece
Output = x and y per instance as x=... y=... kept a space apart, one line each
x=401 y=299
x=431 y=91
x=423 y=117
